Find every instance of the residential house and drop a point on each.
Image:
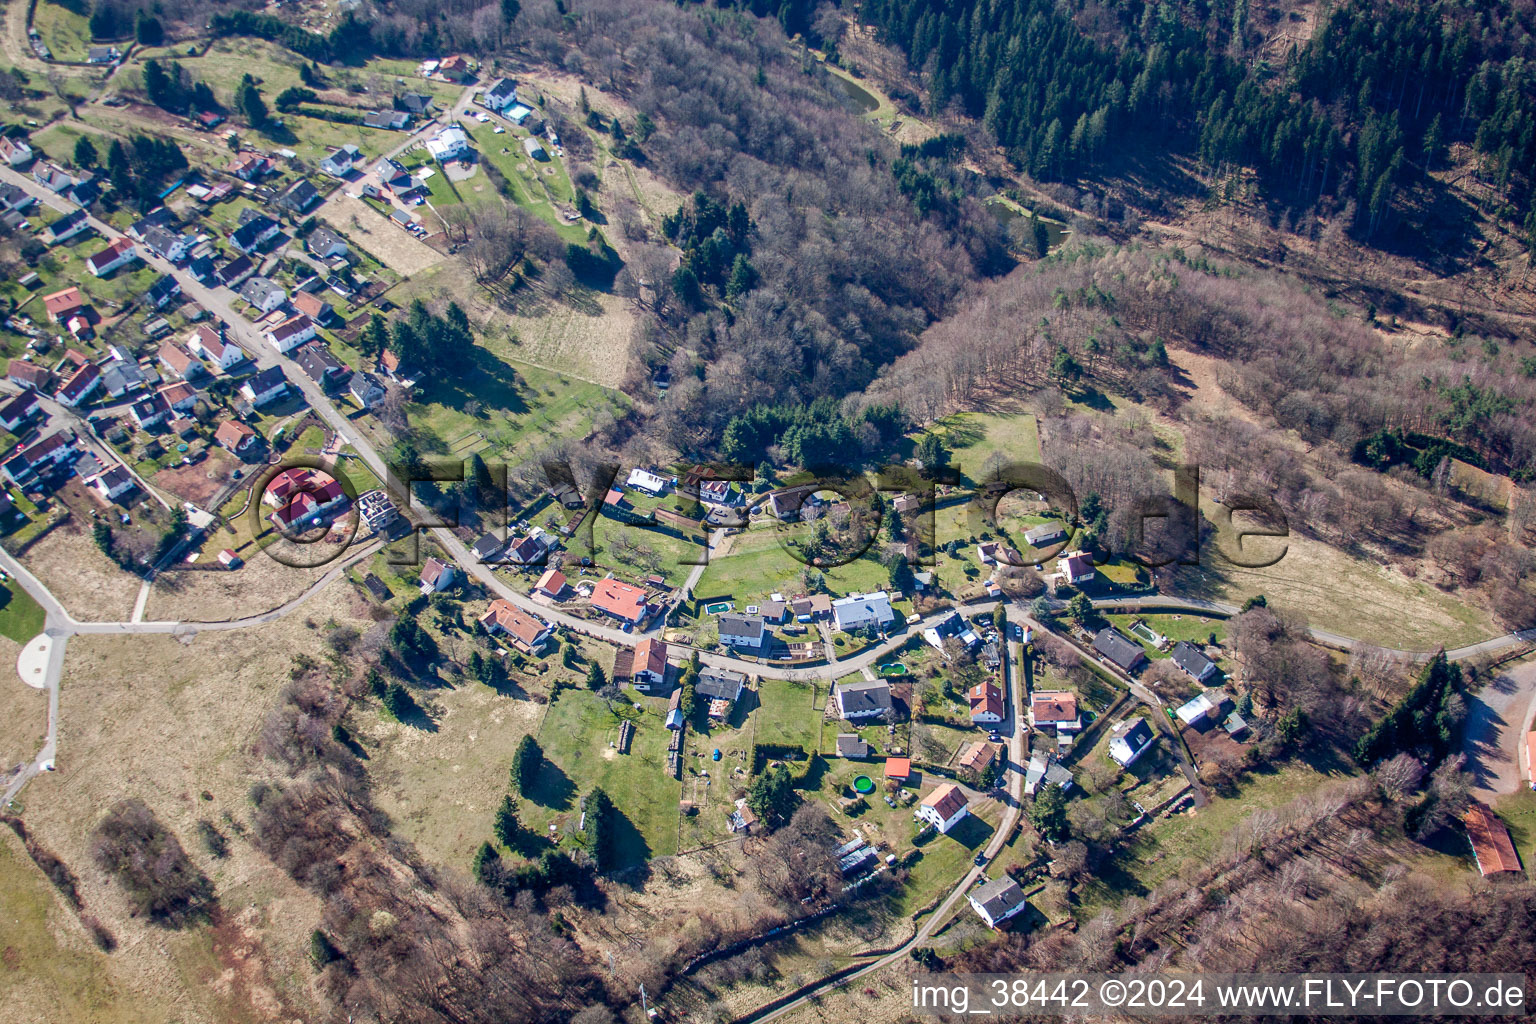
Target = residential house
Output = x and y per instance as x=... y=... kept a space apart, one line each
x=898 y=769
x=150 y=412
x=167 y=244
x=321 y=367
x=29 y=375
x=852 y=745
x=746 y=632
x=1194 y=662
x=651 y=483
x=863 y=611
x=57 y=449
x=52 y=177
x=15 y=413
x=291 y=333
x=649 y=669
x=84 y=191
x=339 y=162
x=67 y=227
x=299 y=198
x=944 y=808
x=526 y=632
x=249 y=166
x=180 y=396
x=436 y=575
x=234 y=436
x=951 y=627
x=810 y=607
x=1119 y=649
x=978 y=757
x=624 y=601
x=1076 y=567
x=448 y=145
x=263 y=293
x=306 y=499
x=785 y=504
x=181 y=362
x=266 y=387
x=163 y=291
x=248 y=237
x=1491 y=845
x=1055 y=711
x=530 y=549
x=774 y=611
x=206 y=342
x=387 y=120
x=120 y=377
x=997 y=900
x=864 y=699
x=416 y=103
x=80 y=386
x=457 y=68
x=313 y=306
x=15 y=151
x=722 y=688
x=552 y=585
x=1129 y=739
x=674 y=719
x=1045 y=771
x=1205 y=709
x=15 y=198
x=519 y=114
x=501 y=94
x=986 y=700
x=233 y=273
x=325 y=244
x=111 y=483
x=119 y=253
x=488 y=547
x=366 y=389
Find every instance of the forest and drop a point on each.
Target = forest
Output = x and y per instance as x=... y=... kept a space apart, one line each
x=1356 y=118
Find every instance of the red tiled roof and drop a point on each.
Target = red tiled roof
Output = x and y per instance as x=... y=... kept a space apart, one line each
x=507 y=617
x=1491 y=844
x=977 y=756
x=1054 y=706
x=61 y=302
x=650 y=656
x=233 y=434
x=898 y=767
x=986 y=697
x=552 y=582
x=617 y=598
x=946 y=800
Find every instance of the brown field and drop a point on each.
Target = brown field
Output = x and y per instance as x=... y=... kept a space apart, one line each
x=85 y=581
x=210 y=595
x=23 y=712
x=594 y=348
x=172 y=723
x=392 y=246
x=199 y=483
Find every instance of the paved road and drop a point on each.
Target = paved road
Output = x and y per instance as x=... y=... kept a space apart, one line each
x=56 y=624
x=1498 y=722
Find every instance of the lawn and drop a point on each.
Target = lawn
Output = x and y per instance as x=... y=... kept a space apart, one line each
x=67 y=33
x=1193 y=628
x=757 y=564
x=1518 y=811
x=577 y=736
x=981 y=441
x=790 y=713
x=21 y=618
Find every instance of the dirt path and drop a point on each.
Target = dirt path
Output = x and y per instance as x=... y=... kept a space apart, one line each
x=1497 y=723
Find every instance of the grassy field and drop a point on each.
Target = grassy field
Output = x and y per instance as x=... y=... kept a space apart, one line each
x=576 y=735
x=67 y=32
x=21 y=618
x=1518 y=810
x=980 y=440
x=756 y=565
x=1193 y=628
x=791 y=713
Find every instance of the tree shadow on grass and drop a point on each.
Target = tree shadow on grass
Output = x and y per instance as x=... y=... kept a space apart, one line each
x=552 y=788
x=631 y=853
x=484 y=379
x=971 y=832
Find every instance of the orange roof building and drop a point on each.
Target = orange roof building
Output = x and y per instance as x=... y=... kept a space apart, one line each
x=1491 y=845
x=619 y=599
x=551 y=583
x=526 y=632
x=898 y=768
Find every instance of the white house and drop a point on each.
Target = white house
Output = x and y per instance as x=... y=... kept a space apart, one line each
x=867 y=698
x=501 y=94
x=340 y=162
x=1076 y=567
x=205 y=341
x=263 y=293
x=862 y=611
x=436 y=575
x=650 y=483
x=291 y=333
x=448 y=144
x=1129 y=740
x=745 y=631
x=650 y=664
x=944 y=808
x=120 y=253
x=111 y=483
x=267 y=386
x=15 y=151
x=997 y=901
